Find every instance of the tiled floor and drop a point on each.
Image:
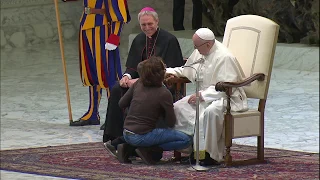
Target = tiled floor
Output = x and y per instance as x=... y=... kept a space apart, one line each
x=34 y=108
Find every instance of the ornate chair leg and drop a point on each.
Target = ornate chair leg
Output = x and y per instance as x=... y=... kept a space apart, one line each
x=228 y=130
x=228 y=142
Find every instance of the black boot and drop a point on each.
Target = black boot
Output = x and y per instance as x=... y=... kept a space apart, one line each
x=156 y=153
x=146 y=155
x=124 y=152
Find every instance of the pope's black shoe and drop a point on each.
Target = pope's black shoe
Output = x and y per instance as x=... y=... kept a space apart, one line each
x=208 y=161
x=81 y=122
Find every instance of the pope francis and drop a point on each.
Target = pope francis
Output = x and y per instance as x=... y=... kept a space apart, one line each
x=219 y=65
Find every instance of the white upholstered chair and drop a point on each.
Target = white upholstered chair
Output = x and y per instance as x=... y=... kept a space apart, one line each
x=252 y=39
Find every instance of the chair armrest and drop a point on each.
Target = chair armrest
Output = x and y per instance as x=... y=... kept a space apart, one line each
x=225 y=86
x=178 y=85
x=175 y=80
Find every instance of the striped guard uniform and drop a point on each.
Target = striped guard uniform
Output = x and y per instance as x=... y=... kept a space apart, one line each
x=100 y=68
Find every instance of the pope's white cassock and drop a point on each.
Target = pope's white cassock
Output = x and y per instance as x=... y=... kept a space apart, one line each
x=219 y=65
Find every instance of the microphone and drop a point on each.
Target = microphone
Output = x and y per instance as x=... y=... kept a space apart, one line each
x=199 y=61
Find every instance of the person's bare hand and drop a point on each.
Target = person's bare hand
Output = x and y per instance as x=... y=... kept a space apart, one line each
x=167 y=78
x=124 y=81
x=193 y=99
x=131 y=82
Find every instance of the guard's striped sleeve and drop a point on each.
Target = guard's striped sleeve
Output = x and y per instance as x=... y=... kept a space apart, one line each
x=117 y=10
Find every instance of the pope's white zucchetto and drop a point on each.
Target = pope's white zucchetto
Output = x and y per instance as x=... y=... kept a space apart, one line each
x=205 y=34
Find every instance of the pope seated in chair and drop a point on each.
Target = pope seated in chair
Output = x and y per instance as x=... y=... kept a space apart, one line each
x=214 y=63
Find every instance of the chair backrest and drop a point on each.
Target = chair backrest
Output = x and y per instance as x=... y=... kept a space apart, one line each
x=252 y=39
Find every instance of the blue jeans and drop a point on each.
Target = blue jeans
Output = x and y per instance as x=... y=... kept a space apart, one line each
x=167 y=139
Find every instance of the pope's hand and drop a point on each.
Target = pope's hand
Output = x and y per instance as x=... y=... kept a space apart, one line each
x=193 y=99
x=124 y=81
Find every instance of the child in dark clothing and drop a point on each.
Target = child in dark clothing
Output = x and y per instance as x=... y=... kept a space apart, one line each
x=149 y=100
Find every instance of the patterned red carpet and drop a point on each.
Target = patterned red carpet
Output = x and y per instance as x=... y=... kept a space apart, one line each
x=92 y=161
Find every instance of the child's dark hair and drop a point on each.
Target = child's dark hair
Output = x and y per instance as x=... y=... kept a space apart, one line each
x=152 y=71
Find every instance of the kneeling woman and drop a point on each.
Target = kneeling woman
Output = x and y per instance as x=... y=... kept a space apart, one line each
x=150 y=101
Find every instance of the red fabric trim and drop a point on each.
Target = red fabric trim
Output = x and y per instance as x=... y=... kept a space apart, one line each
x=113 y=39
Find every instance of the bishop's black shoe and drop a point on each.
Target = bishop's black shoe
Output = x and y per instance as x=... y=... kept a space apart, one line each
x=111 y=149
x=81 y=122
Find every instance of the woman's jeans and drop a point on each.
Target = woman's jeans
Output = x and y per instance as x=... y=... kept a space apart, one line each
x=167 y=139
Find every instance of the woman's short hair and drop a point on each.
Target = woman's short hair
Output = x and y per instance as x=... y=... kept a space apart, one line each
x=152 y=71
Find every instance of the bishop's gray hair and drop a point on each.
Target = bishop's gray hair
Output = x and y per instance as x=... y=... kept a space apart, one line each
x=152 y=13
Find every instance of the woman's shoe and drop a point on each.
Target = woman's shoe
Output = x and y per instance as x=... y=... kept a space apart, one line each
x=123 y=152
x=145 y=155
